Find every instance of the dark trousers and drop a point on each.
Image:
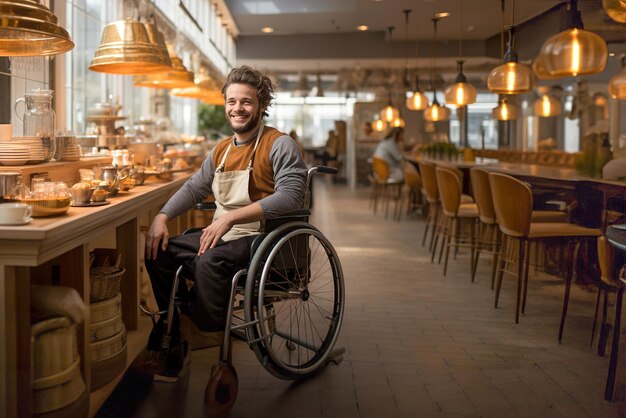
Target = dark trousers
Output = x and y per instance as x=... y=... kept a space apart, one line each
x=212 y=273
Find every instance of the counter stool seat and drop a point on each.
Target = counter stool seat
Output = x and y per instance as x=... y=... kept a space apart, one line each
x=554 y=229
x=467 y=210
x=549 y=216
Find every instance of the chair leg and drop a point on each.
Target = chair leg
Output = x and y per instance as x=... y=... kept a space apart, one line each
x=526 y=269
x=501 y=264
x=605 y=328
x=433 y=232
x=472 y=248
x=521 y=261
x=481 y=232
x=496 y=255
x=568 y=284
x=595 y=317
x=451 y=239
x=610 y=378
x=447 y=236
x=428 y=221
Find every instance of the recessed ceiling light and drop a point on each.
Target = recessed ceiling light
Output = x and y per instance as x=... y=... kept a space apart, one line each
x=611 y=54
x=362 y=28
x=267 y=29
x=441 y=15
x=471 y=28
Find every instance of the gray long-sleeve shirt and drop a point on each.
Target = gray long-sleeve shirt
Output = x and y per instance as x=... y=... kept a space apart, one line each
x=289 y=182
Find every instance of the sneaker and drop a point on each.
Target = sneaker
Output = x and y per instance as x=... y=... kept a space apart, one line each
x=176 y=363
x=197 y=338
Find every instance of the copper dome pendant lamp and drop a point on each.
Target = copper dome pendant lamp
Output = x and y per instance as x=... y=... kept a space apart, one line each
x=28 y=28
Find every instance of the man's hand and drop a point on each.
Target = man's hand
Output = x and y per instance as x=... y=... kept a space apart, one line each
x=212 y=233
x=157 y=233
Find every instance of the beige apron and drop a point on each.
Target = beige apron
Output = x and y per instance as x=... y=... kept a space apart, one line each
x=231 y=192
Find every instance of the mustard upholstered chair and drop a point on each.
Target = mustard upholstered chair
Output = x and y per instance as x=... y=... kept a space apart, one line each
x=431 y=191
x=386 y=188
x=513 y=202
x=461 y=217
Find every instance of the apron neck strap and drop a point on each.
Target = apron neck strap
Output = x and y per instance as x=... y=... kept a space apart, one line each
x=220 y=168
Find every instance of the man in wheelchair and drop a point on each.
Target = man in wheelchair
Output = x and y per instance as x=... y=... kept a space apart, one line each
x=256 y=174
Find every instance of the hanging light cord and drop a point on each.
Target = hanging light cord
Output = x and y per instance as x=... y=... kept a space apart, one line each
x=406 y=39
x=503 y=3
x=461 y=33
x=390 y=29
x=435 y=20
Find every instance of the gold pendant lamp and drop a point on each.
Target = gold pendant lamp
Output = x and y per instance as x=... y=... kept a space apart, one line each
x=505 y=110
x=203 y=88
x=417 y=100
x=616 y=9
x=379 y=125
x=617 y=85
x=574 y=51
x=389 y=112
x=547 y=106
x=461 y=93
x=539 y=70
x=510 y=77
x=177 y=77
x=131 y=47
x=435 y=112
x=28 y=28
x=398 y=123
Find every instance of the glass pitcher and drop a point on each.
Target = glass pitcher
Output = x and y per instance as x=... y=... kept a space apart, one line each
x=38 y=118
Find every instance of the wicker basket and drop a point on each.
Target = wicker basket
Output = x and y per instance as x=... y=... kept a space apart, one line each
x=105 y=282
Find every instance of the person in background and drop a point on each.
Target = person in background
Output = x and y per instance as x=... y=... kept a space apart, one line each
x=389 y=150
x=256 y=174
x=293 y=134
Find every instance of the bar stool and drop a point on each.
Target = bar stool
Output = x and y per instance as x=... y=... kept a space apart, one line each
x=386 y=187
x=458 y=215
x=513 y=202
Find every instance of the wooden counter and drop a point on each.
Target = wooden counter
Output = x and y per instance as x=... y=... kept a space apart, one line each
x=55 y=250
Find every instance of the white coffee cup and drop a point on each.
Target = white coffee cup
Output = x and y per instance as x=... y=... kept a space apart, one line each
x=14 y=213
x=6 y=132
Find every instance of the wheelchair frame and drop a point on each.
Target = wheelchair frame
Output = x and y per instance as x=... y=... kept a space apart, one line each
x=255 y=327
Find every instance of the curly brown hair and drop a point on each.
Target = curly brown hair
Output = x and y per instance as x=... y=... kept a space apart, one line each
x=254 y=78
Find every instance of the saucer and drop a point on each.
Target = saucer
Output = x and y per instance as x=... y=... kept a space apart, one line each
x=22 y=222
x=86 y=205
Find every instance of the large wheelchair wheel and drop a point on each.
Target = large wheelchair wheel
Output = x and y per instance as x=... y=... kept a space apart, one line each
x=295 y=295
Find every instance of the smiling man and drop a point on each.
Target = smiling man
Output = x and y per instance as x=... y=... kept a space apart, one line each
x=256 y=174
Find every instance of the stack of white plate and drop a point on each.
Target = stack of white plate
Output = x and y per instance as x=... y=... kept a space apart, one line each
x=12 y=154
x=35 y=145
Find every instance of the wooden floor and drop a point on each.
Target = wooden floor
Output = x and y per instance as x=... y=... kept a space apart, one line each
x=418 y=344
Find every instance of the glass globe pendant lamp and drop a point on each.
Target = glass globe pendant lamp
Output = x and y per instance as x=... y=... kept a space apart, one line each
x=417 y=100
x=397 y=123
x=574 y=51
x=617 y=85
x=389 y=113
x=461 y=93
x=436 y=112
x=616 y=9
x=547 y=106
x=510 y=77
x=505 y=110
x=379 y=125
x=539 y=70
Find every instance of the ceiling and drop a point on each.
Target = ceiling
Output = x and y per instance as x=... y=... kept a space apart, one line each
x=320 y=36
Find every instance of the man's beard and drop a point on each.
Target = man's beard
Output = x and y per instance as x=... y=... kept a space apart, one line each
x=248 y=126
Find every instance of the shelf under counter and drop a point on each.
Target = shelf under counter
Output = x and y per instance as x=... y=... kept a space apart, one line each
x=66 y=171
x=29 y=252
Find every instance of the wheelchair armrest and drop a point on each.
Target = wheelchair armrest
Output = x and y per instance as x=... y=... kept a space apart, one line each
x=297 y=215
x=205 y=206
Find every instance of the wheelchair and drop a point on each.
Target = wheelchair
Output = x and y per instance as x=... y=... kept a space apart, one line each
x=288 y=305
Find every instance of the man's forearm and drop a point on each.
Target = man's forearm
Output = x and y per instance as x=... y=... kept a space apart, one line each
x=251 y=213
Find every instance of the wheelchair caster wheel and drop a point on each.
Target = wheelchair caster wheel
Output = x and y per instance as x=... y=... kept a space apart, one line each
x=221 y=391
